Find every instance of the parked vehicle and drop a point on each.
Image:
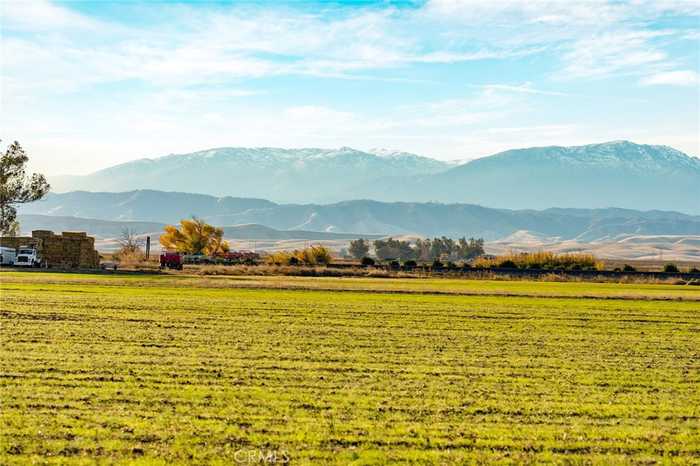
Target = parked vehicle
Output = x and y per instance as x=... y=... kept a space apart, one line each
x=171 y=260
x=27 y=257
x=175 y=260
x=7 y=255
x=196 y=259
x=108 y=265
x=240 y=257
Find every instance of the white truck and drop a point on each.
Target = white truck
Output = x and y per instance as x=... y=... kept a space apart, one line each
x=7 y=255
x=27 y=257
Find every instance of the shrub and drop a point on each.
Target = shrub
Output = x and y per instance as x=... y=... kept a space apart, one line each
x=318 y=255
x=437 y=265
x=671 y=268
x=367 y=262
x=130 y=258
x=542 y=260
x=628 y=268
x=410 y=265
x=508 y=264
x=309 y=256
x=694 y=270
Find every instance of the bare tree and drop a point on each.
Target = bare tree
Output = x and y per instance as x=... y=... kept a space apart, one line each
x=129 y=241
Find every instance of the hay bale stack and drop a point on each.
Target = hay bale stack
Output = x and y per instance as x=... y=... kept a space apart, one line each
x=70 y=249
x=74 y=234
x=42 y=234
x=17 y=241
x=52 y=250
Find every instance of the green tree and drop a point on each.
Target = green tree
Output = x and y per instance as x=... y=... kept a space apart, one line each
x=382 y=249
x=394 y=249
x=671 y=268
x=470 y=249
x=16 y=187
x=424 y=249
x=359 y=248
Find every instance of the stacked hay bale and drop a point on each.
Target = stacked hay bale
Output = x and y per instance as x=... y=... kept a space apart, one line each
x=68 y=250
x=89 y=257
x=79 y=250
x=71 y=248
x=51 y=249
x=17 y=241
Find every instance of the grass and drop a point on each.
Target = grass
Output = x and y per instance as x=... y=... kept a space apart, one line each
x=178 y=369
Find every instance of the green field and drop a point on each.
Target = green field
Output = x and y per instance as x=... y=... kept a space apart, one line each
x=233 y=370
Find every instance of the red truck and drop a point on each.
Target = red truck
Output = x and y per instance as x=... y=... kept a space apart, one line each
x=171 y=260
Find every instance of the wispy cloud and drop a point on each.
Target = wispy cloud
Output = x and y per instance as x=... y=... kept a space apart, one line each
x=526 y=88
x=44 y=16
x=186 y=77
x=673 y=78
x=595 y=38
x=614 y=53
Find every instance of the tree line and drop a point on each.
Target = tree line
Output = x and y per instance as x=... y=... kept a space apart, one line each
x=428 y=249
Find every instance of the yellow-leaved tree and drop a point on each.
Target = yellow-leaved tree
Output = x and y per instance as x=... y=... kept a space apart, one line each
x=194 y=236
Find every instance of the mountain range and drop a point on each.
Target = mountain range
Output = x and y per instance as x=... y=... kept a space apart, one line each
x=285 y=175
x=362 y=217
x=110 y=229
x=620 y=174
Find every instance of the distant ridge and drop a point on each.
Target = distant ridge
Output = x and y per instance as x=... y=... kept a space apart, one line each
x=102 y=229
x=367 y=217
x=617 y=173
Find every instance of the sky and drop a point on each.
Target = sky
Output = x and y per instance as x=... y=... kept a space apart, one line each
x=87 y=85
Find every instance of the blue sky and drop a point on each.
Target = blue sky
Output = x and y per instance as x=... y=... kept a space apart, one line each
x=86 y=85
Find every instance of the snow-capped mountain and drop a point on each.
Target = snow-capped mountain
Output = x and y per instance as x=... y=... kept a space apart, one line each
x=289 y=175
x=613 y=174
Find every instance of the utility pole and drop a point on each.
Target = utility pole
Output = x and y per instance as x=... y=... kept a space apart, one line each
x=148 y=247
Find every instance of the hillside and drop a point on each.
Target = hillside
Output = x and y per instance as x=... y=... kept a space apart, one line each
x=148 y=205
x=619 y=174
x=368 y=217
x=110 y=229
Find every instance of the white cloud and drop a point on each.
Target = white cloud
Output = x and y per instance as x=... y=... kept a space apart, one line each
x=592 y=12
x=673 y=78
x=191 y=46
x=42 y=15
x=614 y=53
x=525 y=88
x=194 y=66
